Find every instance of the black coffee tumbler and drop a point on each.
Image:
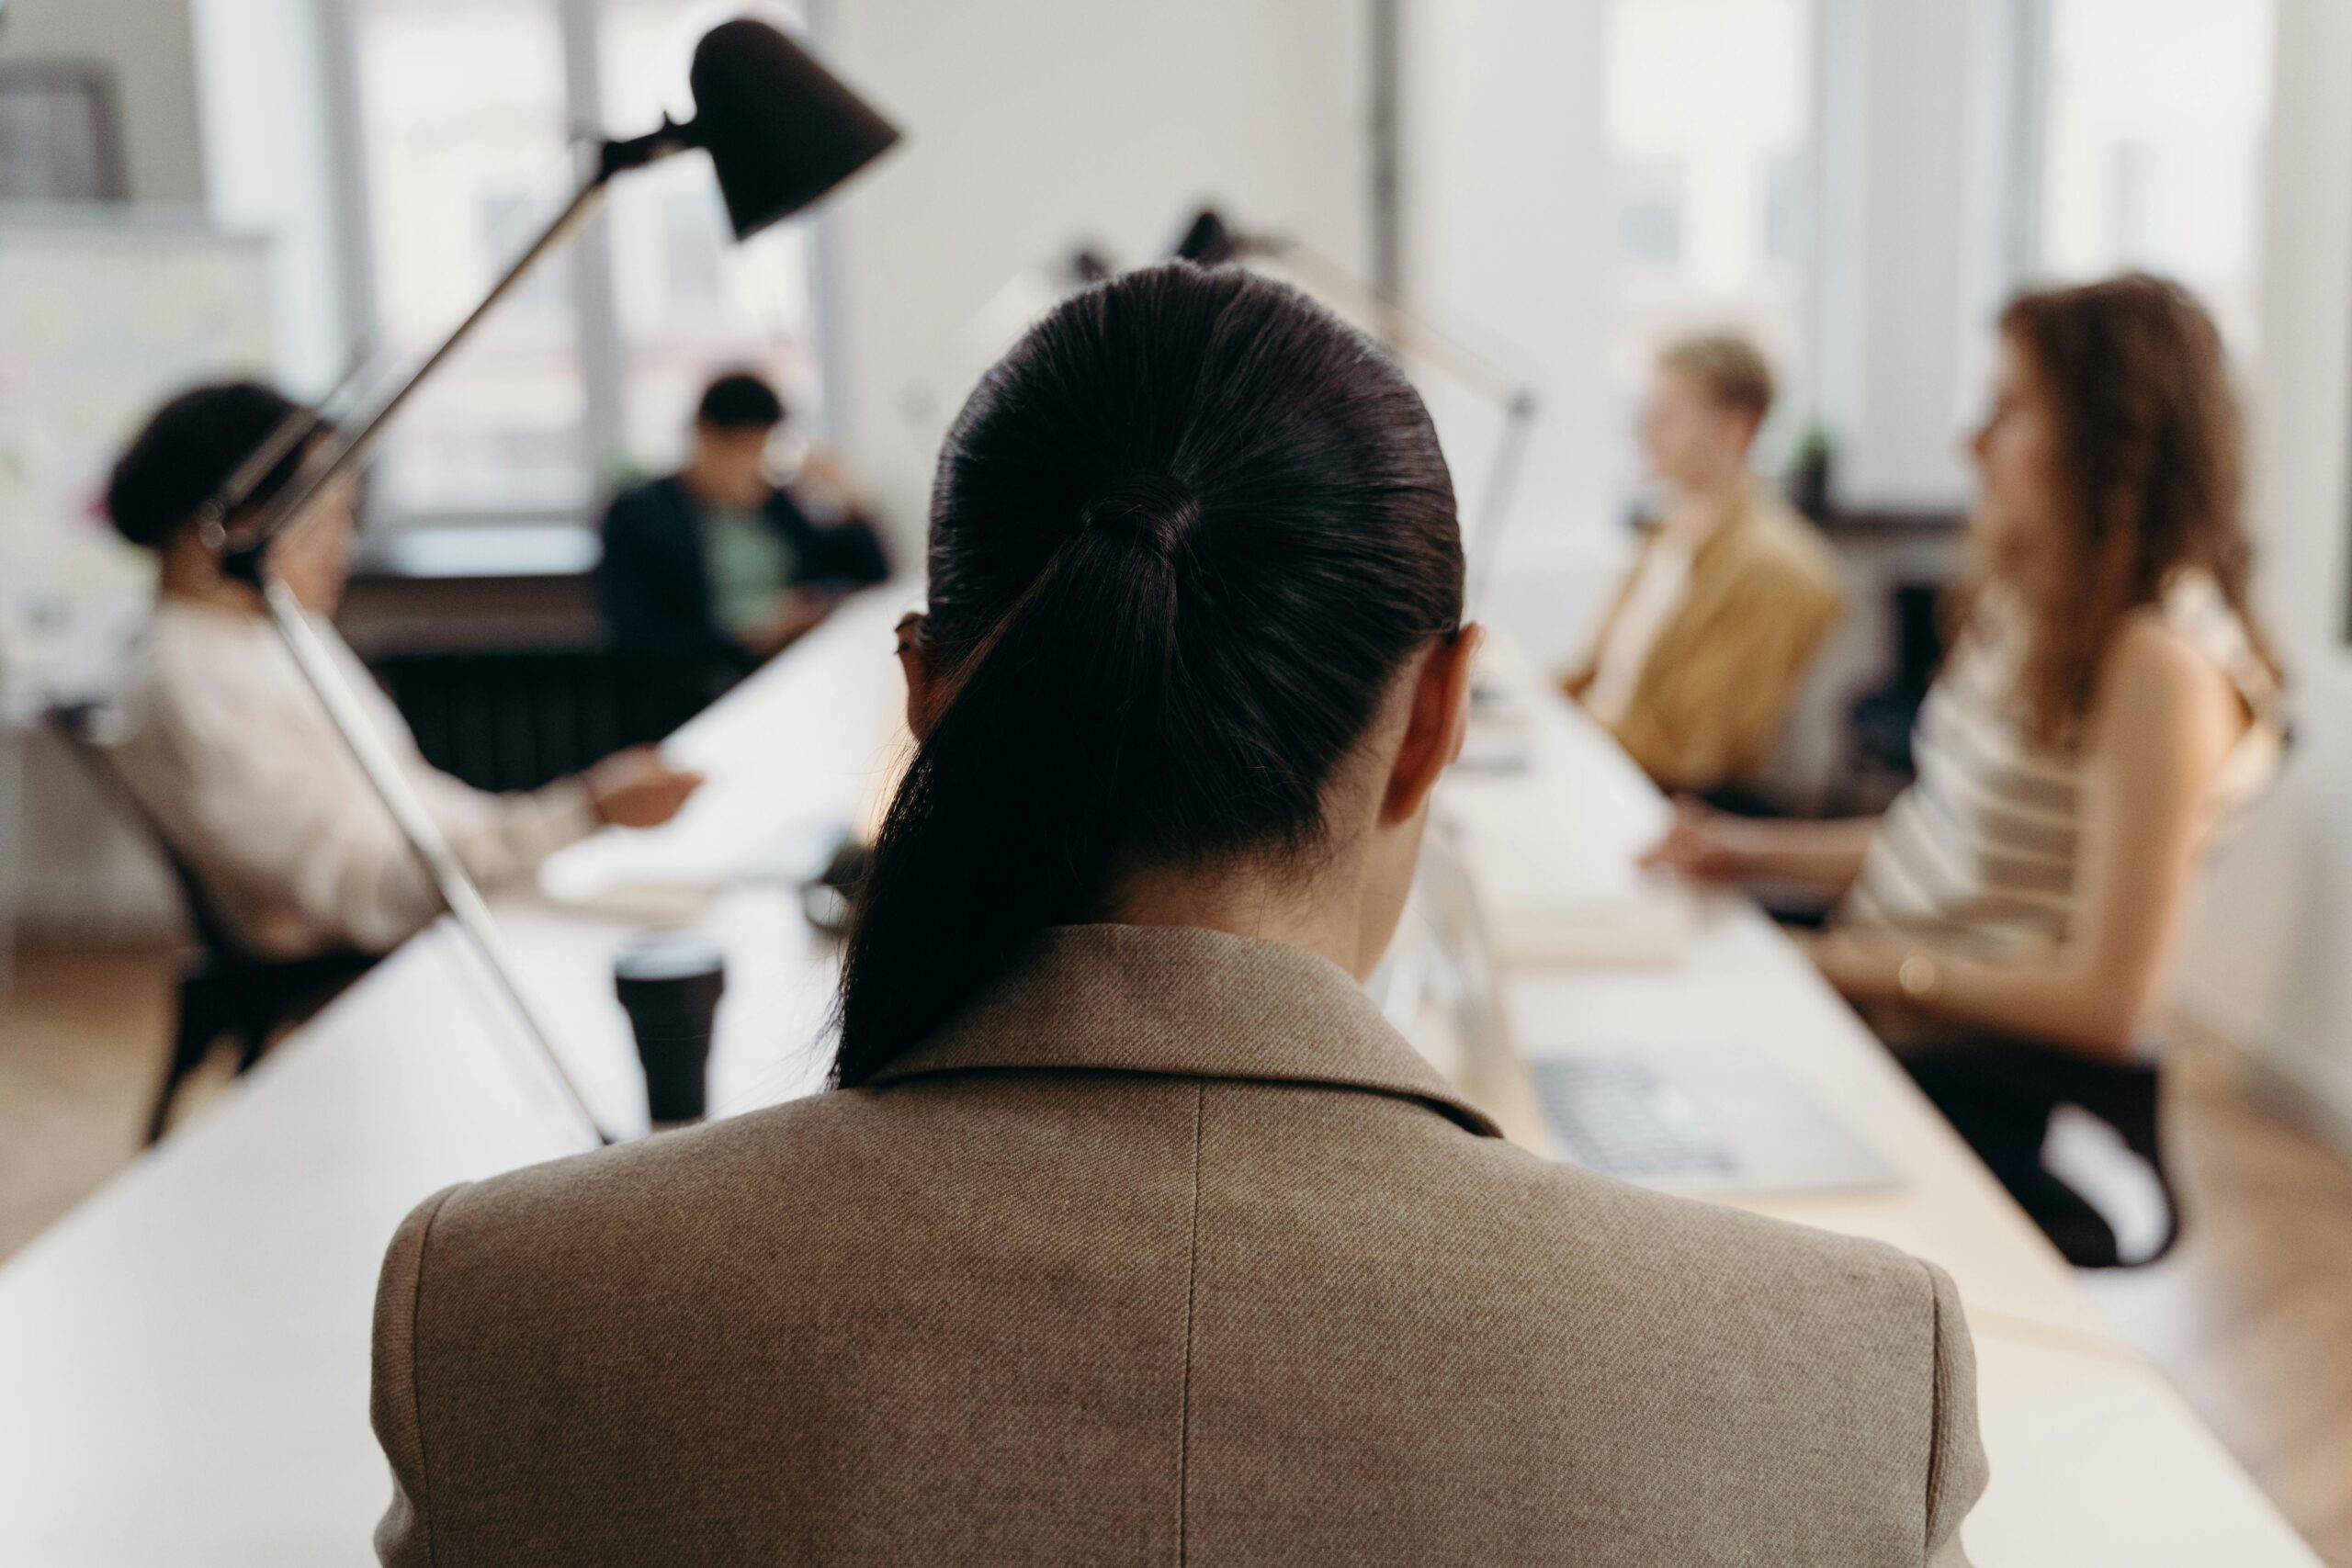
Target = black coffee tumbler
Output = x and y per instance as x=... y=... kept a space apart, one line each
x=669 y=982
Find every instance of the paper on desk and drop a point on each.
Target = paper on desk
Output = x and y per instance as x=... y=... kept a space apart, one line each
x=1649 y=931
x=1559 y=895
x=685 y=856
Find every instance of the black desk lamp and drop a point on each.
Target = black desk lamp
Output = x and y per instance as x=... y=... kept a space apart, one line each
x=781 y=131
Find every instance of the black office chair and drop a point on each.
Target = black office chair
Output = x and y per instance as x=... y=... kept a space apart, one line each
x=1878 y=726
x=223 y=989
x=2001 y=1094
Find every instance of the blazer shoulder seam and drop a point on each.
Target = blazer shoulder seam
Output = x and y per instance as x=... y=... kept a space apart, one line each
x=416 y=1370
x=1935 y=1404
x=1192 y=1291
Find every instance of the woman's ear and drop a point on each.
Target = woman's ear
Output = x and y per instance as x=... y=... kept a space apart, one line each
x=1435 y=728
x=923 y=687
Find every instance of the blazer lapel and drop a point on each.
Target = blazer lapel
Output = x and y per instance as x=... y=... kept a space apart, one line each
x=1715 y=570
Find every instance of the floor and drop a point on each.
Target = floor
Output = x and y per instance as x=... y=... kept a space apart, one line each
x=81 y=1050
x=2251 y=1316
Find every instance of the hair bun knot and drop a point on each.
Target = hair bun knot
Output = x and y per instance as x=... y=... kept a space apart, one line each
x=1157 y=510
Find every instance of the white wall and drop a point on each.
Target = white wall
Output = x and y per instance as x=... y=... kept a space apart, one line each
x=1916 y=110
x=78 y=872
x=261 y=67
x=2269 y=955
x=145 y=44
x=1507 y=246
x=1505 y=178
x=1033 y=124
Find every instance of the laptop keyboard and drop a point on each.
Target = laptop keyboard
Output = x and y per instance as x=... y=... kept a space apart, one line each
x=1618 y=1117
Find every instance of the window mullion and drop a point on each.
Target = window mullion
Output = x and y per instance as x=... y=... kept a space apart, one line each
x=361 y=290
x=596 y=299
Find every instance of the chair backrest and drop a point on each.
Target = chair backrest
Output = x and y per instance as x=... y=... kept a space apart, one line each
x=76 y=725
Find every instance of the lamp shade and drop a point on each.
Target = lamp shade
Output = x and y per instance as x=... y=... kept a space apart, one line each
x=1207 y=240
x=780 y=129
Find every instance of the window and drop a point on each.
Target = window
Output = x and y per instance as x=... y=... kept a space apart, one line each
x=589 y=372
x=2152 y=146
x=1649 y=214
x=690 y=302
x=1787 y=211
x=1709 y=138
x=690 y=271
x=462 y=114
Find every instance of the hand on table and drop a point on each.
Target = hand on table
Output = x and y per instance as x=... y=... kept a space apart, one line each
x=799 y=612
x=637 y=789
x=825 y=473
x=1866 y=970
x=1702 y=843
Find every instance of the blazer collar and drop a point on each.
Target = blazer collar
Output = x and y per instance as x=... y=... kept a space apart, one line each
x=1187 y=1003
x=1734 y=524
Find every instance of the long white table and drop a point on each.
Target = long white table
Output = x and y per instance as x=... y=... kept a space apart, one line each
x=184 y=1359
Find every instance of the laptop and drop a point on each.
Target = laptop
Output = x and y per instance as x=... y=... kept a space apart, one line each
x=1699 y=1119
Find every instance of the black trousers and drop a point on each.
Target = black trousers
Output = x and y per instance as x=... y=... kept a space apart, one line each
x=2000 y=1091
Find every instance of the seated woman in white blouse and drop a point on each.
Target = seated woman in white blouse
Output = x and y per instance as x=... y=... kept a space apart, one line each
x=2007 y=924
x=232 y=756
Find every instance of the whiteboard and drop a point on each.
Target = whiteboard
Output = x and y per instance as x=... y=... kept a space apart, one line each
x=99 y=321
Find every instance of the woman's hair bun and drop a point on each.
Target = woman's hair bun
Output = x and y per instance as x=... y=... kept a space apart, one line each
x=1158 y=510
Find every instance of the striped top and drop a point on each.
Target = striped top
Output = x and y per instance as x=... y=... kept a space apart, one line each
x=1979 y=855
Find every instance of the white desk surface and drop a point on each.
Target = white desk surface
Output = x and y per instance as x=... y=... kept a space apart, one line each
x=184 y=1359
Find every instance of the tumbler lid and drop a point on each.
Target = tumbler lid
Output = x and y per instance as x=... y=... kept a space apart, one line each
x=658 y=955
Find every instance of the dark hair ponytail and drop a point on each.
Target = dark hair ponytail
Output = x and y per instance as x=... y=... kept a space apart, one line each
x=1184 y=538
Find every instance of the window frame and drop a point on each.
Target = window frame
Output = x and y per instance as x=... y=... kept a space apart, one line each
x=593 y=302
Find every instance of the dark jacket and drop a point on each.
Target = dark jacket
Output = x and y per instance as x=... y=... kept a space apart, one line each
x=654 y=583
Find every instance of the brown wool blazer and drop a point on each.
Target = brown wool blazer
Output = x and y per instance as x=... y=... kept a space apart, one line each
x=1168 y=1250
x=1709 y=704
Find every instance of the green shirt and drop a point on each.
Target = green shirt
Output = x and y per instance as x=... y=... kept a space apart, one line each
x=749 y=567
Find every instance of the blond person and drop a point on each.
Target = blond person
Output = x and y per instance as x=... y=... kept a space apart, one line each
x=1730 y=595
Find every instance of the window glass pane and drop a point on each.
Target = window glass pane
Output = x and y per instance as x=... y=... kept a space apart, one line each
x=2152 y=145
x=691 y=301
x=1710 y=130
x=463 y=118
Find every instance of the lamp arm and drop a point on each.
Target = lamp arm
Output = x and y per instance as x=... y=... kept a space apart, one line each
x=415 y=821
x=291 y=431
x=242 y=557
x=759 y=83
x=246 y=558
x=1408 y=329
x=1484 y=542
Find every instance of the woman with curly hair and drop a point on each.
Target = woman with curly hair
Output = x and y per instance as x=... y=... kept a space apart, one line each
x=2007 y=924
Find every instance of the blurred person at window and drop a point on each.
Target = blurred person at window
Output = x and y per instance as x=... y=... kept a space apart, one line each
x=1729 y=596
x=231 y=755
x=716 y=567
x=2007 y=924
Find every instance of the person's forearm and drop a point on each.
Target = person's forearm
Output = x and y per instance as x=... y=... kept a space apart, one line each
x=2064 y=998
x=502 y=838
x=2062 y=1003
x=1828 y=855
